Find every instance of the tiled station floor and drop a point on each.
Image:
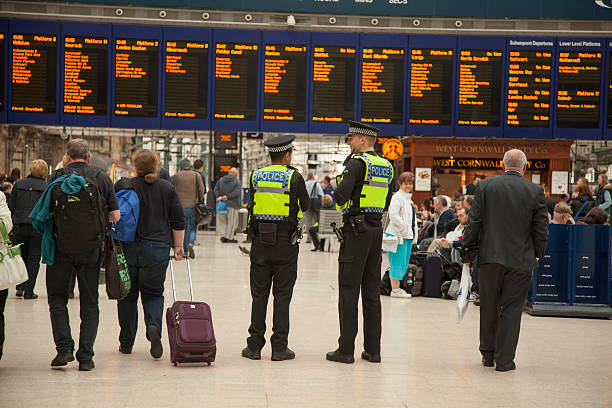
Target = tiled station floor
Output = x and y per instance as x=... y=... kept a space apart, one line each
x=428 y=360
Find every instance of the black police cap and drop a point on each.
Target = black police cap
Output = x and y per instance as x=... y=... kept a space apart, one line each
x=357 y=128
x=280 y=144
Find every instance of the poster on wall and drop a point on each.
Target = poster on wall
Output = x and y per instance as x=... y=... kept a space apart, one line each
x=558 y=182
x=423 y=179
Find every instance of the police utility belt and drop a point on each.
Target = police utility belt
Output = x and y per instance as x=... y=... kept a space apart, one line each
x=268 y=234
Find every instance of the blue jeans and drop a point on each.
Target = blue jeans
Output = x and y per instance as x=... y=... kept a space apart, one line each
x=191 y=228
x=147 y=263
x=400 y=259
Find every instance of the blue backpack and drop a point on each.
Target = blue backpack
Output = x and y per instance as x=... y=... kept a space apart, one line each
x=129 y=206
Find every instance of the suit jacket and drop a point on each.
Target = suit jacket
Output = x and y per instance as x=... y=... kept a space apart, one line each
x=508 y=221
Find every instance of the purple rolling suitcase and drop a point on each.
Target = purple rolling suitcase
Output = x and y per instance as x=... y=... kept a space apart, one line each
x=190 y=328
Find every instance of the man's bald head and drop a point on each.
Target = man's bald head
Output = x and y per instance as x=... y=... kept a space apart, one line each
x=515 y=159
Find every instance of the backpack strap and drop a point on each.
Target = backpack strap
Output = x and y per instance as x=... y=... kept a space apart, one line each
x=580 y=210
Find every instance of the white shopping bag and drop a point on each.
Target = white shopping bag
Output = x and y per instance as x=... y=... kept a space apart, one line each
x=463 y=297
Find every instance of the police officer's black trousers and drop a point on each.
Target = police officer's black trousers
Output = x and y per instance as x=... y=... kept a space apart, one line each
x=359 y=268
x=276 y=267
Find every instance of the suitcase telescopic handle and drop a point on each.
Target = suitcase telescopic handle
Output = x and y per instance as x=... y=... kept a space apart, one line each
x=188 y=274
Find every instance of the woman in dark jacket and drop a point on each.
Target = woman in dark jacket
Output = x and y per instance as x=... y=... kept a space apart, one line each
x=583 y=203
x=24 y=197
x=161 y=226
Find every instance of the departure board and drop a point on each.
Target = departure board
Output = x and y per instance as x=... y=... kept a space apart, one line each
x=610 y=92
x=578 y=85
x=382 y=85
x=2 y=72
x=529 y=73
x=480 y=87
x=333 y=84
x=136 y=77
x=236 y=81
x=85 y=75
x=431 y=86
x=186 y=79
x=34 y=73
x=285 y=82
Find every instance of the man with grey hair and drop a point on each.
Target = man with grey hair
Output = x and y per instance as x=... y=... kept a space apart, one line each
x=190 y=189
x=229 y=189
x=507 y=231
x=73 y=224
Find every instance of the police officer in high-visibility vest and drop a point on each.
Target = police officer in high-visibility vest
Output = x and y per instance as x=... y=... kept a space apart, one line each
x=277 y=198
x=362 y=195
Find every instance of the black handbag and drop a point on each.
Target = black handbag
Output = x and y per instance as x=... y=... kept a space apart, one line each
x=202 y=213
x=117 y=275
x=315 y=202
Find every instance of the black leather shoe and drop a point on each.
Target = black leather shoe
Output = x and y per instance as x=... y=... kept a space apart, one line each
x=32 y=296
x=286 y=354
x=86 y=365
x=62 y=359
x=224 y=240
x=506 y=367
x=156 y=345
x=19 y=293
x=487 y=363
x=340 y=357
x=250 y=354
x=123 y=350
x=372 y=358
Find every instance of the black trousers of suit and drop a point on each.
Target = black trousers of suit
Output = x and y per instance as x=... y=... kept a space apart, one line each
x=502 y=296
x=359 y=269
x=272 y=267
x=30 y=252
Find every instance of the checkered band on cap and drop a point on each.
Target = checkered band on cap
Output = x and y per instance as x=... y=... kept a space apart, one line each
x=278 y=149
x=361 y=131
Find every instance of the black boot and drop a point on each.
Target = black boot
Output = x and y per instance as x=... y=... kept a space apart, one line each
x=340 y=357
x=286 y=354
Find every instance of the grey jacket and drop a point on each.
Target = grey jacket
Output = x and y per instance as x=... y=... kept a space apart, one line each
x=229 y=186
x=509 y=221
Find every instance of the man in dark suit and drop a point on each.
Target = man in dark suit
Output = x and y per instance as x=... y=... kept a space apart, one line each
x=507 y=230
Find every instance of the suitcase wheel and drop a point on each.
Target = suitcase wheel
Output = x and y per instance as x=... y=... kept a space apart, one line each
x=209 y=363
x=175 y=364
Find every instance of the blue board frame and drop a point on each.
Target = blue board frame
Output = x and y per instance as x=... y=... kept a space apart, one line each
x=480 y=43
x=185 y=34
x=530 y=132
x=4 y=29
x=377 y=41
x=33 y=27
x=91 y=30
x=435 y=42
x=141 y=33
x=573 y=133
x=607 y=131
x=285 y=37
x=243 y=36
x=333 y=39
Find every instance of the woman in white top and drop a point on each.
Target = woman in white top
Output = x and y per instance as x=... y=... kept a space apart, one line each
x=403 y=226
x=5 y=215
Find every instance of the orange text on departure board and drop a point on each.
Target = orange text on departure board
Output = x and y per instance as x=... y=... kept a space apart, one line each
x=126 y=68
x=372 y=71
x=75 y=62
x=275 y=70
x=23 y=56
x=469 y=87
x=529 y=75
x=322 y=69
x=425 y=82
x=577 y=63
